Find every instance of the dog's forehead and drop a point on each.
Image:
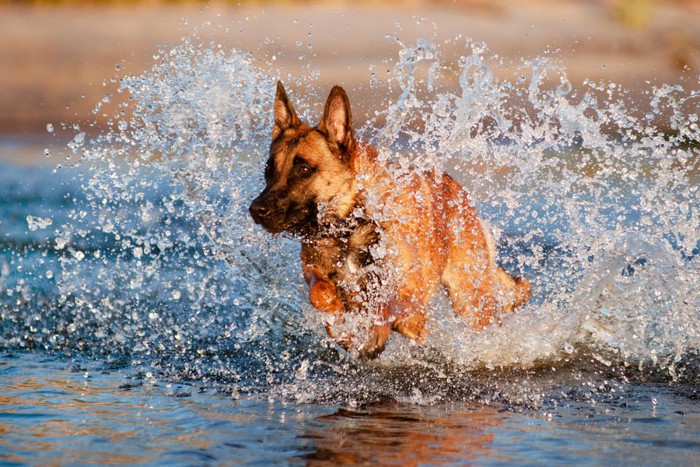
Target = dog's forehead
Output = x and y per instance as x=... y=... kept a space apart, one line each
x=307 y=143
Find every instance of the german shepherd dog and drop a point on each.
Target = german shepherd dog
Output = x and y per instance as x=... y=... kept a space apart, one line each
x=374 y=248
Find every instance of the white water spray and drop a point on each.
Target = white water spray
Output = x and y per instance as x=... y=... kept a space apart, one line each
x=594 y=204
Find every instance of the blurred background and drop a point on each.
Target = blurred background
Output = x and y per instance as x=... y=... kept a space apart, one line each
x=58 y=59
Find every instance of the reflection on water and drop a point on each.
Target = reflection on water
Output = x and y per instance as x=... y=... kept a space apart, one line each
x=415 y=435
x=57 y=411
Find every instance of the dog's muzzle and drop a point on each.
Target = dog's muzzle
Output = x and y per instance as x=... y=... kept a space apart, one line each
x=261 y=211
x=267 y=212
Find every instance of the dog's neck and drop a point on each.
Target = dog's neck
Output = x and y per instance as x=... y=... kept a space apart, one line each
x=329 y=223
x=339 y=227
x=341 y=216
x=344 y=204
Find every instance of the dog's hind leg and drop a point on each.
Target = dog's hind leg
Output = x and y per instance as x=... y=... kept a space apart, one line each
x=468 y=275
x=472 y=295
x=379 y=334
x=481 y=290
x=404 y=316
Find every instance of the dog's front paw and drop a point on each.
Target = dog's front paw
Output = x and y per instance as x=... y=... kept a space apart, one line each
x=379 y=334
x=323 y=296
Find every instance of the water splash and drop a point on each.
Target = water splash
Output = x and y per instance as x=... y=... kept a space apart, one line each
x=159 y=265
x=599 y=205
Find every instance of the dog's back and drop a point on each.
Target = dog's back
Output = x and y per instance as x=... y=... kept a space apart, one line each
x=437 y=239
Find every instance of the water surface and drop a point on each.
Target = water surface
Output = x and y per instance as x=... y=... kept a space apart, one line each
x=59 y=411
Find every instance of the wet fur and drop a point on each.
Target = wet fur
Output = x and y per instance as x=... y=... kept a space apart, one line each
x=433 y=234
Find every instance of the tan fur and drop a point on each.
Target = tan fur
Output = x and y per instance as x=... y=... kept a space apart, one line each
x=433 y=234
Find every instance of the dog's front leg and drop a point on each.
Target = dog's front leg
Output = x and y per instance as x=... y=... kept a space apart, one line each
x=379 y=333
x=323 y=295
x=408 y=318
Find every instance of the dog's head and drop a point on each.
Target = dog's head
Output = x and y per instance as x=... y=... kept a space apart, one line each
x=309 y=167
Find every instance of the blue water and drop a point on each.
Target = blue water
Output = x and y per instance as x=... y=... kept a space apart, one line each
x=56 y=410
x=144 y=318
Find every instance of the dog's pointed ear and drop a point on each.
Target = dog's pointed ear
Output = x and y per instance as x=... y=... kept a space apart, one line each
x=285 y=116
x=337 y=119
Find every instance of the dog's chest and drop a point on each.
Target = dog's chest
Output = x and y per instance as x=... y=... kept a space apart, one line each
x=343 y=256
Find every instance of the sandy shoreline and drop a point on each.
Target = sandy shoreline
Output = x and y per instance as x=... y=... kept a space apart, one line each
x=55 y=59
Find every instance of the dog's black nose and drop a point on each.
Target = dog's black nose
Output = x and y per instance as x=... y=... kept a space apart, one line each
x=259 y=210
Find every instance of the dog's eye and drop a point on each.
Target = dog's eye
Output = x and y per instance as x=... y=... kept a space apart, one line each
x=302 y=167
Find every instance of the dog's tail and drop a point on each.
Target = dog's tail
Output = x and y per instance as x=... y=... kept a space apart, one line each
x=512 y=291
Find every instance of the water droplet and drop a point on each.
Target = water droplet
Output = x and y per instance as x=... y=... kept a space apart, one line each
x=35 y=223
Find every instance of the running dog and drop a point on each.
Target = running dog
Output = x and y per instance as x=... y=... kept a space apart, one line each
x=374 y=246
